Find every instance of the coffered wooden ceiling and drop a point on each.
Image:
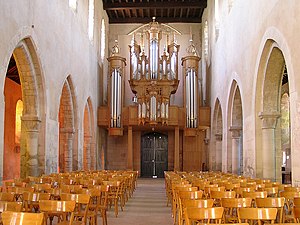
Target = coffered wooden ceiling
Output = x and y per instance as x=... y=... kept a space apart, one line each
x=165 y=11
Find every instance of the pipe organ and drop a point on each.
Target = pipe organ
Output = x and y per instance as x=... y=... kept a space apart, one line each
x=190 y=70
x=153 y=78
x=116 y=71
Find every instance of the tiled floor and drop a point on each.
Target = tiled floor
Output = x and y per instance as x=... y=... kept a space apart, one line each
x=146 y=207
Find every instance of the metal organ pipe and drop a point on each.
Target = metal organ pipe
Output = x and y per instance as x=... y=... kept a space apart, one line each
x=119 y=93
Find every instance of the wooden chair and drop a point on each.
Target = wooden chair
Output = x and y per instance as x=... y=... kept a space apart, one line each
x=194 y=203
x=218 y=195
x=254 y=195
x=82 y=206
x=64 y=210
x=114 y=195
x=22 y=218
x=203 y=215
x=296 y=213
x=231 y=205
x=31 y=200
x=272 y=191
x=182 y=195
x=272 y=203
x=250 y=215
x=289 y=203
x=10 y=206
x=7 y=196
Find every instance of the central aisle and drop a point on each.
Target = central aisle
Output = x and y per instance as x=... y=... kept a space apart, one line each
x=146 y=207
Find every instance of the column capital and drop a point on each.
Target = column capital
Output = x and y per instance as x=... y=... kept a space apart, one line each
x=219 y=136
x=235 y=131
x=269 y=119
x=31 y=122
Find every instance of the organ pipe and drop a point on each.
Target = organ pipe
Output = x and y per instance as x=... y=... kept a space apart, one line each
x=152 y=68
x=117 y=64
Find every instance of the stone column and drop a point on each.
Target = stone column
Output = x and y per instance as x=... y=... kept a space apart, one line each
x=219 y=138
x=93 y=155
x=269 y=122
x=176 y=151
x=235 y=143
x=130 y=150
x=31 y=124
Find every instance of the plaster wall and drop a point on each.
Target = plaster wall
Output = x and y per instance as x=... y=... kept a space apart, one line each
x=235 y=50
x=60 y=38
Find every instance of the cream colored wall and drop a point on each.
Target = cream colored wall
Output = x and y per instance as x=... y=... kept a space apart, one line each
x=235 y=55
x=60 y=38
x=120 y=32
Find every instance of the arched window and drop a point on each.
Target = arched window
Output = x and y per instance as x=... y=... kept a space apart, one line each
x=205 y=30
x=73 y=4
x=102 y=51
x=19 y=110
x=91 y=20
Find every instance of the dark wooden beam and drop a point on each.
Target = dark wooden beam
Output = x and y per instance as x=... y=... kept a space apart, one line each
x=154 y=5
x=158 y=19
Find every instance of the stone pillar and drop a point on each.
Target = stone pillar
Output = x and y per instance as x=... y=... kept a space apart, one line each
x=269 y=122
x=130 y=150
x=219 y=138
x=235 y=143
x=176 y=151
x=31 y=124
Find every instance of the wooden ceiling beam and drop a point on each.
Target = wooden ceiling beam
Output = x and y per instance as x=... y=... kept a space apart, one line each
x=154 y=5
x=158 y=19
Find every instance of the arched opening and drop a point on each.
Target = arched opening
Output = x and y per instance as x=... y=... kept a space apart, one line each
x=285 y=129
x=24 y=126
x=68 y=157
x=271 y=123
x=12 y=122
x=89 y=154
x=217 y=137
x=235 y=128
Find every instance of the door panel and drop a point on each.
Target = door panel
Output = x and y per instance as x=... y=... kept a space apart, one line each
x=154 y=155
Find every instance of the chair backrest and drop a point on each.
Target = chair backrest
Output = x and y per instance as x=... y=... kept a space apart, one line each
x=57 y=206
x=236 y=202
x=190 y=194
x=7 y=196
x=22 y=218
x=257 y=214
x=222 y=194
x=10 y=206
x=198 y=203
x=255 y=194
x=204 y=215
x=272 y=203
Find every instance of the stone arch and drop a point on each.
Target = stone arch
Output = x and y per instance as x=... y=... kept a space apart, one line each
x=217 y=136
x=235 y=122
x=89 y=144
x=267 y=102
x=68 y=154
x=32 y=143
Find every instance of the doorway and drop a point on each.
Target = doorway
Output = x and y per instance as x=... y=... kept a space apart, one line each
x=154 y=155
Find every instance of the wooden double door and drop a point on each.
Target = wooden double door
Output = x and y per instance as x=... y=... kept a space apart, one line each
x=154 y=157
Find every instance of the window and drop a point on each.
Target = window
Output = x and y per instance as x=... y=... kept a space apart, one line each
x=91 y=20
x=206 y=40
x=102 y=50
x=73 y=4
x=19 y=111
